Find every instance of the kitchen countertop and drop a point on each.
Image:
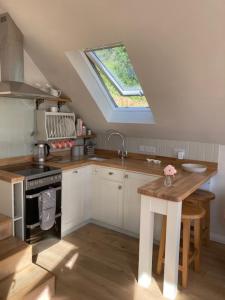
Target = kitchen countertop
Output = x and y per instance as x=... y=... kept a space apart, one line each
x=10 y=177
x=128 y=164
x=184 y=183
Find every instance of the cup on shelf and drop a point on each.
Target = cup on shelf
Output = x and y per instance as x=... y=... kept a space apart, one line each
x=54 y=109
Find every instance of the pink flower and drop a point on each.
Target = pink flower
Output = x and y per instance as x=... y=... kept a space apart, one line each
x=170 y=170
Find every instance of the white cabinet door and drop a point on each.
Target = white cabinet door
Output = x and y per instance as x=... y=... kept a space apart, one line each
x=75 y=197
x=107 y=203
x=132 y=200
x=111 y=195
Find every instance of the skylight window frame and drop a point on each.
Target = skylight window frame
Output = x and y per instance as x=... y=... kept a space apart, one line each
x=100 y=94
x=95 y=60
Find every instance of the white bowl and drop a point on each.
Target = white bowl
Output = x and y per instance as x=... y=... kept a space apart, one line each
x=54 y=109
x=195 y=168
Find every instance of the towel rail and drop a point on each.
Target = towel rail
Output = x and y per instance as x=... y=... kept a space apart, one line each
x=38 y=194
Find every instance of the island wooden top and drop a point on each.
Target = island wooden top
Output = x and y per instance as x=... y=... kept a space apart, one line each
x=184 y=184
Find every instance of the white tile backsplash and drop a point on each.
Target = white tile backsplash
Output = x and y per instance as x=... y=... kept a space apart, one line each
x=193 y=150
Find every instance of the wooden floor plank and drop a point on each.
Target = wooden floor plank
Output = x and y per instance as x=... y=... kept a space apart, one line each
x=95 y=263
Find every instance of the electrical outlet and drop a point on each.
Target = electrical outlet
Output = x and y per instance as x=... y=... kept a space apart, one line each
x=142 y=148
x=180 y=153
x=150 y=149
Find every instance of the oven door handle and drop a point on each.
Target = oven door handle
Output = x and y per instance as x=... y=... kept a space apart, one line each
x=38 y=194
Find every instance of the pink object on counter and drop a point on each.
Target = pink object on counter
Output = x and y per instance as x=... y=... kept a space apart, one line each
x=169 y=170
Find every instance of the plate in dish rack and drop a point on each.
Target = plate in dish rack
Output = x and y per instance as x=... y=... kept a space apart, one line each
x=70 y=127
x=195 y=168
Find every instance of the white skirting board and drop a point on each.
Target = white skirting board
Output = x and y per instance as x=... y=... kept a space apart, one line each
x=213 y=236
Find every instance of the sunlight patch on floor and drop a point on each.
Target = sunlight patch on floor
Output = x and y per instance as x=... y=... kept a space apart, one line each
x=71 y=262
x=62 y=253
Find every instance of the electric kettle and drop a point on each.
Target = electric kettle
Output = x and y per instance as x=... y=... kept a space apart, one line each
x=41 y=151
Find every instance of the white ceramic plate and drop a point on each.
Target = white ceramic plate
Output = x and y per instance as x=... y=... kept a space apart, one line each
x=195 y=168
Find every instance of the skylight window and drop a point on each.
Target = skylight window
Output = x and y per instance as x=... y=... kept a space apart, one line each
x=114 y=69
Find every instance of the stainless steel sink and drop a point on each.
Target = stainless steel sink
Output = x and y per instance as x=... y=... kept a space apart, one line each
x=95 y=158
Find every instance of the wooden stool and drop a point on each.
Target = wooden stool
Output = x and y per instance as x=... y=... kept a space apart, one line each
x=189 y=215
x=201 y=198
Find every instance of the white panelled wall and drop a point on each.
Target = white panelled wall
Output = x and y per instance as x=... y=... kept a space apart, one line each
x=193 y=150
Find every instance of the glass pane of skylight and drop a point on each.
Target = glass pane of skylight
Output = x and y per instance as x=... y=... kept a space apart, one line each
x=118 y=99
x=116 y=72
x=117 y=62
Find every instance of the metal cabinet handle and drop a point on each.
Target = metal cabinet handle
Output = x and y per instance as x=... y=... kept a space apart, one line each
x=75 y=172
x=126 y=176
x=120 y=187
x=111 y=173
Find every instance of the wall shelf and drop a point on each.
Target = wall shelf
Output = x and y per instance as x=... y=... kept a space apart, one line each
x=59 y=101
x=92 y=136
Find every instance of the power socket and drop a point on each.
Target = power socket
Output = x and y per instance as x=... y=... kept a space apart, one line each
x=180 y=153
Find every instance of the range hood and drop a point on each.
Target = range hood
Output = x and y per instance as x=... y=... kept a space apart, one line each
x=12 y=63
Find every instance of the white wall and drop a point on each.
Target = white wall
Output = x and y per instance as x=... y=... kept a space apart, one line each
x=193 y=150
x=16 y=126
x=218 y=205
x=17 y=117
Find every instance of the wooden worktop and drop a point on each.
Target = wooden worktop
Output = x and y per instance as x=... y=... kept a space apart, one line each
x=128 y=164
x=9 y=176
x=184 y=183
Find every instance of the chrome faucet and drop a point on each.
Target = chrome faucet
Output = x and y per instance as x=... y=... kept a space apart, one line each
x=123 y=151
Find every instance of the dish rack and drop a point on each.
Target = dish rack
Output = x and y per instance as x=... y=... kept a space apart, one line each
x=55 y=125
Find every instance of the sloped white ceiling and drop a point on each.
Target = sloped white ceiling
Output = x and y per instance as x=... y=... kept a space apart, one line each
x=177 y=49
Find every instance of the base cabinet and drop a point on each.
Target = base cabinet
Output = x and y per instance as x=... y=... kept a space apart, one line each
x=107 y=201
x=75 y=198
x=103 y=194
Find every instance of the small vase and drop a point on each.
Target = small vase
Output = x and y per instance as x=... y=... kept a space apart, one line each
x=168 y=181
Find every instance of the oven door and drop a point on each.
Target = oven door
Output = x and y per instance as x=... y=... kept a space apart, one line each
x=33 y=231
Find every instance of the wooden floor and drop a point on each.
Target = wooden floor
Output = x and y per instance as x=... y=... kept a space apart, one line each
x=100 y=264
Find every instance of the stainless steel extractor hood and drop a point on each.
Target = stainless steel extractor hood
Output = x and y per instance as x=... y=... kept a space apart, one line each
x=12 y=63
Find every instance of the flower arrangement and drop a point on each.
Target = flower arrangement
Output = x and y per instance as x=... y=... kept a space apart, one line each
x=169 y=172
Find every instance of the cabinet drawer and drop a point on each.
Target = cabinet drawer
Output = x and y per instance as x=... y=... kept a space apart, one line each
x=144 y=178
x=110 y=173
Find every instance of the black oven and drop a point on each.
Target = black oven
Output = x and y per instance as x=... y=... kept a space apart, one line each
x=41 y=239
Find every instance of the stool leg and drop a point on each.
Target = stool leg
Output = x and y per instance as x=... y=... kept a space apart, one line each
x=197 y=244
x=161 y=247
x=185 y=252
x=207 y=219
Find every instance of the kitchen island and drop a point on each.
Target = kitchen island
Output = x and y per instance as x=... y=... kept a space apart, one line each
x=159 y=199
